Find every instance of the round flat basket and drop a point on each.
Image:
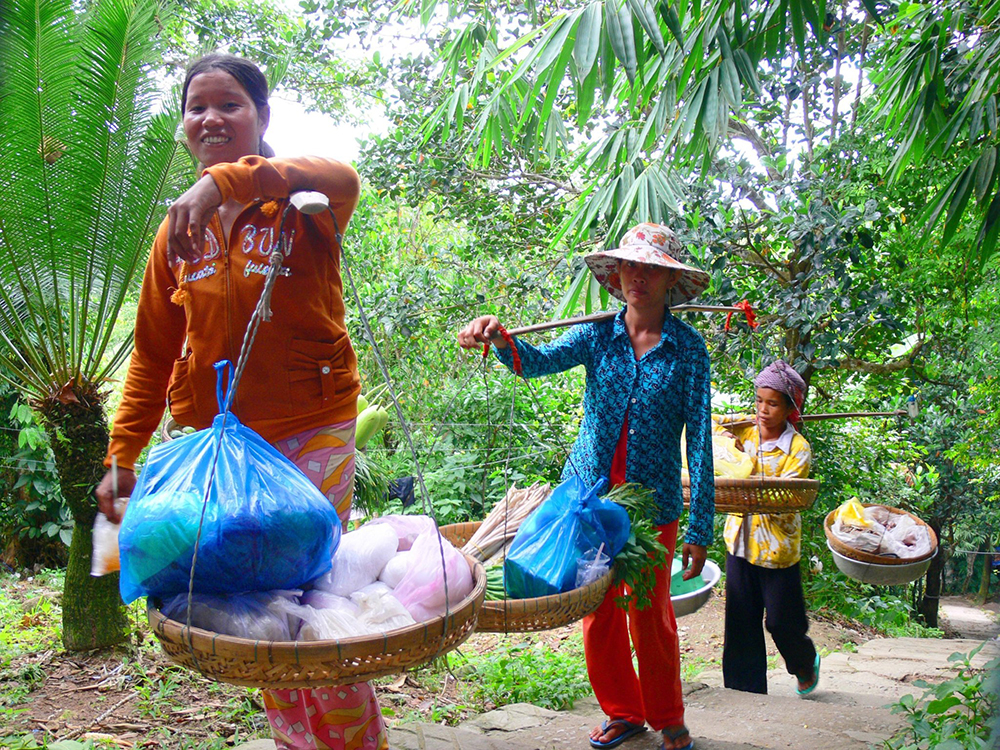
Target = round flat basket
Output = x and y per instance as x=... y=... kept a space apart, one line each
x=306 y=664
x=539 y=613
x=845 y=550
x=760 y=494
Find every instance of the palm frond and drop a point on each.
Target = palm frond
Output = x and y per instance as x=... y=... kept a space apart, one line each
x=89 y=165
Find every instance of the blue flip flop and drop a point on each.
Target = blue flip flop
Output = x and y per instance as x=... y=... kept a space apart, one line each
x=812 y=687
x=630 y=731
x=672 y=736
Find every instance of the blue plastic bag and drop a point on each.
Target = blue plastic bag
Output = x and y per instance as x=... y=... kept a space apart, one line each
x=266 y=525
x=543 y=557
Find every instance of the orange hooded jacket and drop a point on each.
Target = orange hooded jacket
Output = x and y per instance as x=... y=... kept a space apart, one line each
x=302 y=371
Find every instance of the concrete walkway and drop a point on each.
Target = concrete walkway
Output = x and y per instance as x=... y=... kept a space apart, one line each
x=967 y=620
x=847 y=712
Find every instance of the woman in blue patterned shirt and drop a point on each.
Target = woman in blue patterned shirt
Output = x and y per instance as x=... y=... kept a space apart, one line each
x=647 y=378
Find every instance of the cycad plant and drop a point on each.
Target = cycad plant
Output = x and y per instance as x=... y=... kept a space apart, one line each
x=86 y=160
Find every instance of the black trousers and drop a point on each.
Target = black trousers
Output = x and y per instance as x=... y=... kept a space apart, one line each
x=750 y=591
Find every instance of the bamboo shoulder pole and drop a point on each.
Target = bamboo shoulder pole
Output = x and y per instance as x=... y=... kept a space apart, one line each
x=831 y=415
x=596 y=317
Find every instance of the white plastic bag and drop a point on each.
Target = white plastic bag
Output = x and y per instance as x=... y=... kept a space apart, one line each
x=359 y=559
x=862 y=539
x=256 y=615
x=105 y=558
x=396 y=568
x=407 y=528
x=887 y=533
x=378 y=610
x=906 y=538
x=326 y=616
x=422 y=590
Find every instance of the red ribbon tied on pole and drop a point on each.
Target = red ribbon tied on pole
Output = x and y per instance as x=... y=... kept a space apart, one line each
x=748 y=311
x=513 y=349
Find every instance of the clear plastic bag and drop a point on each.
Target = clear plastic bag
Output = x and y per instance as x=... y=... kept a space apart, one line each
x=325 y=616
x=542 y=559
x=359 y=559
x=266 y=526
x=591 y=566
x=105 y=557
x=422 y=590
x=260 y=615
x=379 y=611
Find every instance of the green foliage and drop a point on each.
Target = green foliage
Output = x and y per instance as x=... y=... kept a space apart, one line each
x=88 y=164
x=527 y=673
x=636 y=564
x=31 y=505
x=26 y=630
x=956 y=714
x=29 y=742
x=937 y=94
x=475 y=430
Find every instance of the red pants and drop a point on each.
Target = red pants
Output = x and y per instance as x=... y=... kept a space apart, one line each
x=654 y=696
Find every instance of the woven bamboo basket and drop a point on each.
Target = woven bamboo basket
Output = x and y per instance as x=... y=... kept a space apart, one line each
x=867 y=557
x=760 y=494
x=308 y=664
x=539 y=613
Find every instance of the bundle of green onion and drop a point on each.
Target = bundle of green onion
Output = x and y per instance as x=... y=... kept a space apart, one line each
x=636 y=564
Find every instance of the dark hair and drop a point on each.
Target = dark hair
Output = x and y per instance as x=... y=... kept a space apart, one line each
x=789 y=402
x=245 y=72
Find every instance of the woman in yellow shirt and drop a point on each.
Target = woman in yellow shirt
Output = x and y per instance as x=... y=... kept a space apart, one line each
x=762 y=561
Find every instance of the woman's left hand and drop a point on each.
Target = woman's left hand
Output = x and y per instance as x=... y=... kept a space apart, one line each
x=697 y=554
x=188 y=217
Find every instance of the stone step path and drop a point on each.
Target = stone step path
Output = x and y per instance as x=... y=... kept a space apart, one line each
x=847 y=712
x=960 y=617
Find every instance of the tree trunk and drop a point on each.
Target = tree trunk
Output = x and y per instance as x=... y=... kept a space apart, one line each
x=984 y=584
x=93 y=613
x=928 y=609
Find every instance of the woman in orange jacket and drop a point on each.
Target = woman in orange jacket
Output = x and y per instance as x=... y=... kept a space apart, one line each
x=202 y=282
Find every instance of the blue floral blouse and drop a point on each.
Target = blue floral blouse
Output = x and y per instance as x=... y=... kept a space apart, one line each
x=666 y=389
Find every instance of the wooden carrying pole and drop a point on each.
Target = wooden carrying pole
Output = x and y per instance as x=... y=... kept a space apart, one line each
x=608 y=315
x=831 y=415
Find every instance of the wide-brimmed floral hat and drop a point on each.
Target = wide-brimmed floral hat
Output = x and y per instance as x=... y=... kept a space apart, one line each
x=656 y=245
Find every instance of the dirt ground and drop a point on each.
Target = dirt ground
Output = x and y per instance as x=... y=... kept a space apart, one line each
x=135 y=697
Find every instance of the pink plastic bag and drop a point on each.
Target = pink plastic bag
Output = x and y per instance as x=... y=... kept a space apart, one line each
x=407 y=528
x=422 y=590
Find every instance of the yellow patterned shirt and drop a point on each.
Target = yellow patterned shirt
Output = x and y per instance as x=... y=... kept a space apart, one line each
x=773 y=540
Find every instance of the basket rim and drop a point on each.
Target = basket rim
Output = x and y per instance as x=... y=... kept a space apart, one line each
x=535 y=603
x=867 y=557
x=299 y=651
x=761 y=480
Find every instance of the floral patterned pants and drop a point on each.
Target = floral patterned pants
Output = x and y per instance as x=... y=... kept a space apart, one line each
x=345 y=717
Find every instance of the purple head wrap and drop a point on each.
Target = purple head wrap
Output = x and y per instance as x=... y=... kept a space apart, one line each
x=780 y=376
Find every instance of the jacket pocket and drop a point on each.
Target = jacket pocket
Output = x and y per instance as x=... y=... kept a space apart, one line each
x=180 y=392
x=320 y=373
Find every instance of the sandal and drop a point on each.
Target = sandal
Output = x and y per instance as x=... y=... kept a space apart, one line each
x=815 y=680
x=630 y=730
x=675 y=734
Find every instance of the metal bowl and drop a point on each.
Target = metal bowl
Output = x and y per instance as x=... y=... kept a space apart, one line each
x=692 y=601
x=895 y=574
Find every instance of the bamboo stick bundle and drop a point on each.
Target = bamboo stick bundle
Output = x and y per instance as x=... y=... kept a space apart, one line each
x=503 y=521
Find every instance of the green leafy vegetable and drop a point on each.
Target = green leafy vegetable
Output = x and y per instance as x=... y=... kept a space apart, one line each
x=636 y=564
